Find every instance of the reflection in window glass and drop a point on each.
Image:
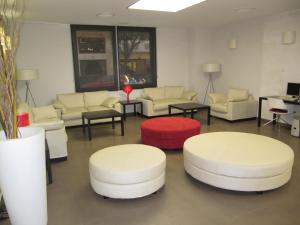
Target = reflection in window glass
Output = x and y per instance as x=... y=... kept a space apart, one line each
x=136 y=57
x=94 y=61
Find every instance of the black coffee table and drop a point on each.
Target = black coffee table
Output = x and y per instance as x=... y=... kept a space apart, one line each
x=104 y=114
x=192 y=108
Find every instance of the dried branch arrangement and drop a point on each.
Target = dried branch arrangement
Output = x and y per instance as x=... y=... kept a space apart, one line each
x=10 y=14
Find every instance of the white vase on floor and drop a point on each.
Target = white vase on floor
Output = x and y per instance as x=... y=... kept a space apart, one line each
x=23 y=176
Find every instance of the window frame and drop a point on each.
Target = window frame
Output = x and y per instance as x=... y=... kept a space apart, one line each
x=152 y=48
x=76 y=61
x=116 y=55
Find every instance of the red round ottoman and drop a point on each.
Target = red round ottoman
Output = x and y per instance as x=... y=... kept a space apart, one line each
x=168 y=132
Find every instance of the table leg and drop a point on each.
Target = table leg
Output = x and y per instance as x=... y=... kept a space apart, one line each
x=122 y=126
x=259 y=112
x=89 y=129
x=274 y=119
x=124 y=111
x=184 y=113
x=48 y=163
x=169 y=110
x=208 y=116
x=192 y=114
x=142 y=112
x=83 y=124
x=134 y=106
x=113 y=122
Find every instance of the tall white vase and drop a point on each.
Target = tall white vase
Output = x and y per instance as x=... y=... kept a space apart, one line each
x=23 y=177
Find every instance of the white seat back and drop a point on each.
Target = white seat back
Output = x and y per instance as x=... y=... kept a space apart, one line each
x=276 y=103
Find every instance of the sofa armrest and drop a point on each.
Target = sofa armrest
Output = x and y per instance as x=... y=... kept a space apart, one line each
x=216 y=98
x=117 y=107
x=147 y=105
x=58 y=112
x=242 y=109
x=59 y=106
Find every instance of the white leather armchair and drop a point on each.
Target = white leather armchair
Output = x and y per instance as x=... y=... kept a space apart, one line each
x=47 y=117
x=236 y=105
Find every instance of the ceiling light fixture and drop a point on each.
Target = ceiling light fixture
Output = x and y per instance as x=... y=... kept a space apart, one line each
x=105 y=14
x=165 y=5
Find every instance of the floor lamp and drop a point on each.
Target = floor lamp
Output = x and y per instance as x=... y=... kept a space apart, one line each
x=27 y=75
x=210 y=68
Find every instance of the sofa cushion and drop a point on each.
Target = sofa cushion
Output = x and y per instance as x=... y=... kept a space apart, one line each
x=155 y=93
x=173 y=91
x=97 y=108
x=73 y=113
x=110 y=102
x=219 y=107
x=236 y=94
x=162 y=104
x=95 y=98
x=44 y=113
x=73 y=100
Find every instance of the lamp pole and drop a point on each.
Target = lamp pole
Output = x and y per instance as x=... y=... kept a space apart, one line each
x=210 y=85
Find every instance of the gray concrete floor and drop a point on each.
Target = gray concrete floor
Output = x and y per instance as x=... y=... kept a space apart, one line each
x=182 y=201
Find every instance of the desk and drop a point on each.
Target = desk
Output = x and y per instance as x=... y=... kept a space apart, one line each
x=291 y=102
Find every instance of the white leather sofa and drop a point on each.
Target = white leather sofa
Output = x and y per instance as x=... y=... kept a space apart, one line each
x=236 y=105
x=72 y=105
x=47 y=117
x=156 y=100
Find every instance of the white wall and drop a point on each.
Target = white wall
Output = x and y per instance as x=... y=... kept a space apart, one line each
x=199 y=53
x=241 y=67
x=172 y=57
x=280 y=63
x=47 y=47
x=260 y=62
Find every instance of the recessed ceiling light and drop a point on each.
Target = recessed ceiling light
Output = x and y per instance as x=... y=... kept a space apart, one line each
x=123 y=23
x=241 y=10
x=164 y=5
x=105 y=14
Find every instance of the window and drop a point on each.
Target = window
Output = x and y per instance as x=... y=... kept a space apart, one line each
x=137 y=63
x=95 y=57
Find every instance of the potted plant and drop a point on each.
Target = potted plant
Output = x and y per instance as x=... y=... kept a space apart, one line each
x=22 y=150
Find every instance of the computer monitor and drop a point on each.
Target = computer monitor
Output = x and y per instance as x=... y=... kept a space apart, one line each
x=293 y=89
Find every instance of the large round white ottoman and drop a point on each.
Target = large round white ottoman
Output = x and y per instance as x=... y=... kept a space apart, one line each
x=238 y=161
x=127 y=171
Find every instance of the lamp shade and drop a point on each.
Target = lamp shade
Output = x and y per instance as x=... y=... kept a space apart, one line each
x=211 y=67
x=28 y=74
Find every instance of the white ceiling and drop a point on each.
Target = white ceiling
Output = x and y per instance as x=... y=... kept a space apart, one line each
x=211 y=13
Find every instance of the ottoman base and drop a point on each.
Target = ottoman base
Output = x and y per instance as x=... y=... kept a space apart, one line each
x=127 y=191
x=237 y=183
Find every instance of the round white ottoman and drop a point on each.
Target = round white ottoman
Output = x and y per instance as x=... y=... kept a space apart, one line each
x=238 y=161
x=127 y=171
